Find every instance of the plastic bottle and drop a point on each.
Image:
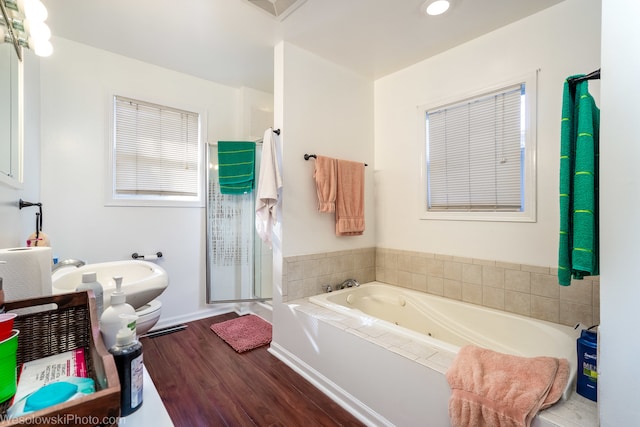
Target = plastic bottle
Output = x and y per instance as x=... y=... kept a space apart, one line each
x=89 y=281
x=128 y=357
x=110 y=321
x=587 y=378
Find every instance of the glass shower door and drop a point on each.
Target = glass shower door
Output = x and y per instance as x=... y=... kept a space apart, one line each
x=238 y=264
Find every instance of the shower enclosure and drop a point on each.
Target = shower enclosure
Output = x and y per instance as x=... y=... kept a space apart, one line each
x=238 y=264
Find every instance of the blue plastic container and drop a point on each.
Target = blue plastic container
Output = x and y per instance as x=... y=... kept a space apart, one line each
x=587 y=378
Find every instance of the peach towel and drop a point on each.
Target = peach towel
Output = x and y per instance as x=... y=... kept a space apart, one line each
x=500 y=390
x=325 y=176
x=350 y=198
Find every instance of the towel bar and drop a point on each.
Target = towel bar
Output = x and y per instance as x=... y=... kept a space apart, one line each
x=308 y=156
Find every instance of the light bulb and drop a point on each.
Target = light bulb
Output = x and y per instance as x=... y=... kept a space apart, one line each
x=437 y=7
x=35 y=11
x=37 y=30
x=41 y=47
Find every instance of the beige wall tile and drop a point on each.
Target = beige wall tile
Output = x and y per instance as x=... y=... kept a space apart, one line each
x=419 y=264
x=391 y=261
x=508 y=265
x=452 y=289
x=517 y=280
x=545 y=285
x=517 y=302
x=472 y=274
x=295 y=270
x=472 y=293
x=580 y=292
x=484 y=262
x=419 y=282
x=493 y=297
x=404 y=262
x=435 y=285
x=404 y=279
x=545 y=308
x=453 y=270
x=435 y=267
x=572 y=313
x=493 y=276
x=534 y=269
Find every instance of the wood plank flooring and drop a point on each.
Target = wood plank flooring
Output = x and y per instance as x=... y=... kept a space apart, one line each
x=203 y=382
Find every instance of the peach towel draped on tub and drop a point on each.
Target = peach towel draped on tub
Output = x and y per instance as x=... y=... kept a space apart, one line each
x=501 y=390
x=350 y=199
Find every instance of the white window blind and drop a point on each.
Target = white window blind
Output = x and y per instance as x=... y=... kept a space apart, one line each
x=156 y=150
x=475 y=154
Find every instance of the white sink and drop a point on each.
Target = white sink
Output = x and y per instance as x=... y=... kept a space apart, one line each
x=142 y=281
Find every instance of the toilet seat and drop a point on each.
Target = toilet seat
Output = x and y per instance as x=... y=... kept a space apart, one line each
x=148 y=308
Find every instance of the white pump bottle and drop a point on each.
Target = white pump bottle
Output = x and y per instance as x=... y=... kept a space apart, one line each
x=110 y=321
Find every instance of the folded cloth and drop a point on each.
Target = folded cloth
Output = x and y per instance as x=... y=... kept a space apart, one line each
x=350 y=198
x=501 y=390
x=236 y=161
x=269 y=183
x=325 y=176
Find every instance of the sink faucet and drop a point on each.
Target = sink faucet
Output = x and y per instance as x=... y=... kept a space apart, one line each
x=349 y=283
x=67 y=263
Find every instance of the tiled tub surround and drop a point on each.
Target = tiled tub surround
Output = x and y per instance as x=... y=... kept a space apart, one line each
x=305 y=275
x=576 y=411
x=517 y=288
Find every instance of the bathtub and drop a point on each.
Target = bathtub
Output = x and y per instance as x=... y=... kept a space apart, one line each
x=449 y=324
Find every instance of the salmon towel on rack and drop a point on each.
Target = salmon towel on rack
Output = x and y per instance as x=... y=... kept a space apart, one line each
x=349 y=198
x=325 y=177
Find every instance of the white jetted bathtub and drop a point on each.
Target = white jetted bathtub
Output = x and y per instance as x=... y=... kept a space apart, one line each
x=449 y=324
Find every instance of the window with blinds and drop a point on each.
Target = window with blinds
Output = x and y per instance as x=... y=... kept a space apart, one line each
x=476 y=156
x=156 y=152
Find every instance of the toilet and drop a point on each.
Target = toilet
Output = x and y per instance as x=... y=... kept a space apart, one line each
x=148 y=316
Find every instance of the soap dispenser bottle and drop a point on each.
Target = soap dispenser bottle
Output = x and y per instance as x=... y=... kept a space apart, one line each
x=110 y=320
x=89 y=281
x=127 y=353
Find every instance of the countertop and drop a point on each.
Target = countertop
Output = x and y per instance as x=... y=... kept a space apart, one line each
x=152 y=413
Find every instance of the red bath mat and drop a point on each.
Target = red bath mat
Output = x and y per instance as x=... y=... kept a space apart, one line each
x=244 y=333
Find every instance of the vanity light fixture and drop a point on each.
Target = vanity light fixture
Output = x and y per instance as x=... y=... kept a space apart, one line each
x=24 y=26
x=436 y=7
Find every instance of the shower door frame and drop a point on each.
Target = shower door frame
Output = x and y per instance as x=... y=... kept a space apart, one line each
x=208 y=269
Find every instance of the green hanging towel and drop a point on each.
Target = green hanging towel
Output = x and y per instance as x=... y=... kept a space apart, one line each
x=579 y=140
x=236 y=165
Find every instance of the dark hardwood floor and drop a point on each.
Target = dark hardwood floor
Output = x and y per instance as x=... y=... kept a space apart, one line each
x=204 y=382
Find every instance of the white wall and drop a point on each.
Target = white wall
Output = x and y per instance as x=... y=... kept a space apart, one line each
x=620 y=226
x=553 y=41
x=76 y=85
x=328 y=110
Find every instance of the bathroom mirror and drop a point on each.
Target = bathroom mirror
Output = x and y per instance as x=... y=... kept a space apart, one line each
x=10 y=116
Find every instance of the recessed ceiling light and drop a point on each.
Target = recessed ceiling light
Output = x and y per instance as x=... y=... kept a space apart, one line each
x=437 y=7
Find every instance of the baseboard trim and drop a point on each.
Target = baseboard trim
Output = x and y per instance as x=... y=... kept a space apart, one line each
x=347 y=401
x=177 y=320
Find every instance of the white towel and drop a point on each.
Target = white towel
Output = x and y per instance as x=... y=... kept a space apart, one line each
x=269 y=183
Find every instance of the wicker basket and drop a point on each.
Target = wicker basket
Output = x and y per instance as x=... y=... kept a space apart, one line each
x=54 y=325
